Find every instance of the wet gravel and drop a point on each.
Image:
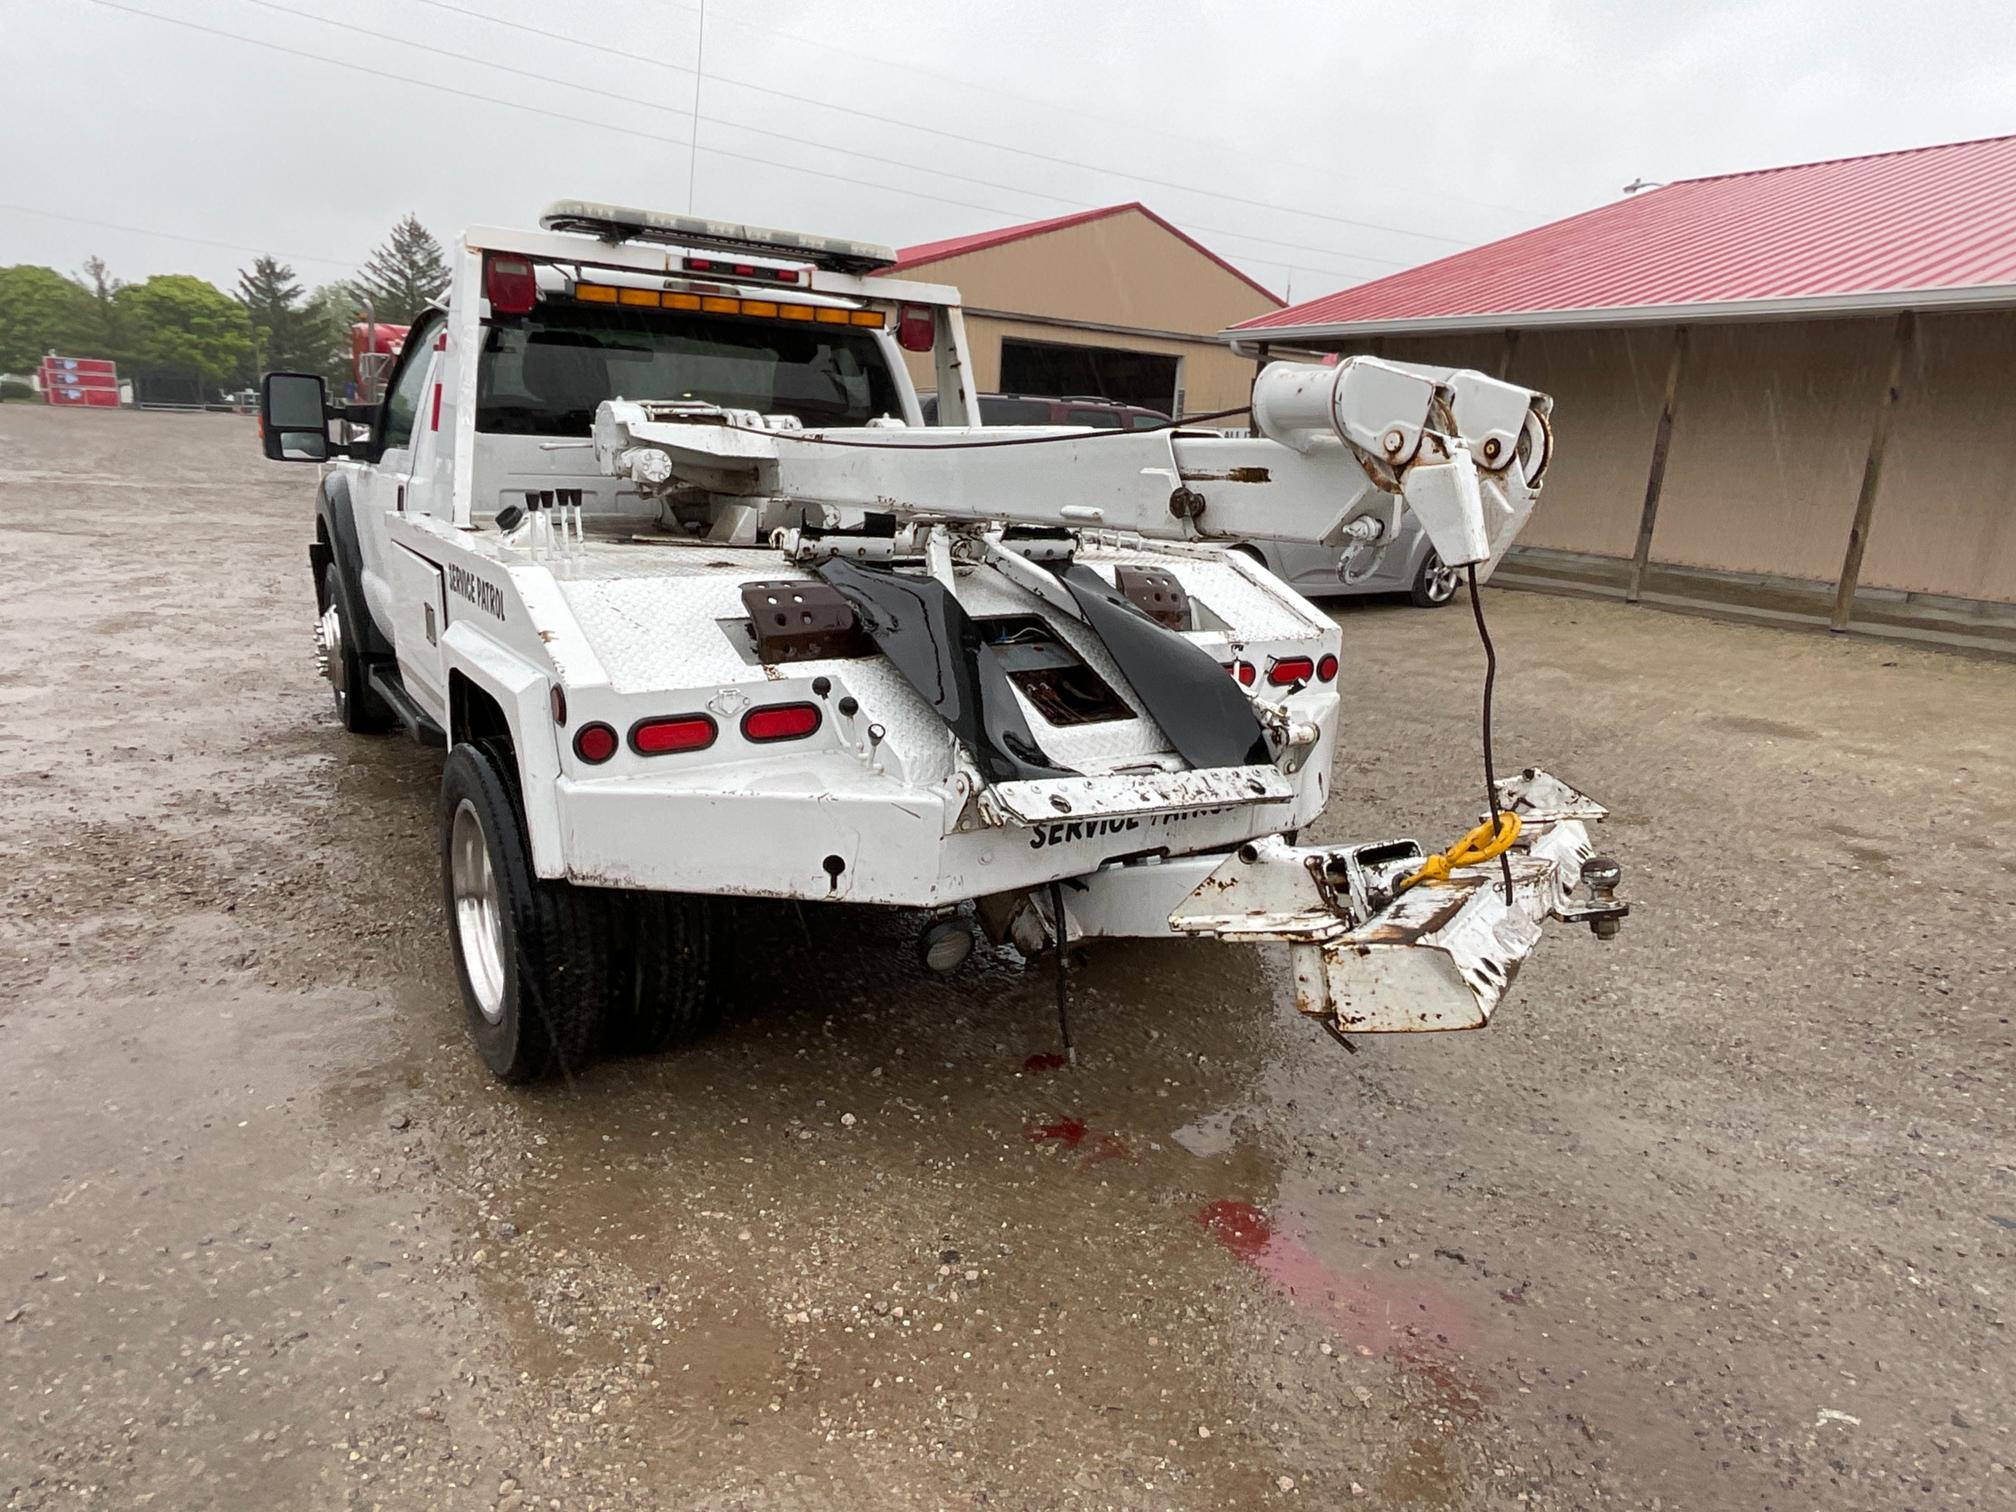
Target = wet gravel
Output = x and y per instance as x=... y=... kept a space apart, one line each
x=1718 y=1215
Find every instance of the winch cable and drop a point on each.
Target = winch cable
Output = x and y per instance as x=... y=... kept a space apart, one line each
x=1490 y=765
x=1063 y=973
x=826 y=439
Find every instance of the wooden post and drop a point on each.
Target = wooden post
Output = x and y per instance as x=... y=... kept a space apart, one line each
x=1662 y=440
x=1872 y=474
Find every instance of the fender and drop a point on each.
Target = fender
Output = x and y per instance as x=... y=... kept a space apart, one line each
x=521 y=691
x=333 y=510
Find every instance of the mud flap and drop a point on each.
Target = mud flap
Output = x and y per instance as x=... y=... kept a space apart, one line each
x=1370 y=957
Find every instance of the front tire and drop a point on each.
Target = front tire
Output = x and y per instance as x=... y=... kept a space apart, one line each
x=358 y=709
x=1434 y=584
x=531 y=956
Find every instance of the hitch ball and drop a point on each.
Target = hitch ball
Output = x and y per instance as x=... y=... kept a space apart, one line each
x=1602 y=876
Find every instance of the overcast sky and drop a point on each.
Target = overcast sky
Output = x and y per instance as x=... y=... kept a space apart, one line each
x=1316 y=144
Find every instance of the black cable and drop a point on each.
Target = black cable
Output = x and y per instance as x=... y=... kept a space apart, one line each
x=909 y=446
x=1490 y=764
x=1063 y=972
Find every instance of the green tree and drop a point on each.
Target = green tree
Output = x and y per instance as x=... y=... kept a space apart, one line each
x=326 y=318
x=40 y=311
x=182 y=324
x=272 y=301
x=405 y=275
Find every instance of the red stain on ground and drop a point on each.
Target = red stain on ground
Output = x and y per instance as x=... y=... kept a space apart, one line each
x=1108 y=1147
x=1044 y=1060
x=1069 y=1132
x=1405 y=1323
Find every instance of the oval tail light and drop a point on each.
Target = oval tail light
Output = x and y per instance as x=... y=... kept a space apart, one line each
x=1290 y=670
x=792 y=721
x=671 y=735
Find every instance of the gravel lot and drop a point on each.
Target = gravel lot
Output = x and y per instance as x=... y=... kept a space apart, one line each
x=1718 y=1215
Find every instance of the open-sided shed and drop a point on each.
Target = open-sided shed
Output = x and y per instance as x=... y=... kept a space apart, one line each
x=1803 y=373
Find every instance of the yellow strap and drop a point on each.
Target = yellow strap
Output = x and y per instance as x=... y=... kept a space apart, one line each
x=1481 y=844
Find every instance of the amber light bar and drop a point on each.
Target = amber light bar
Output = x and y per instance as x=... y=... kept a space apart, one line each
x=726 y=304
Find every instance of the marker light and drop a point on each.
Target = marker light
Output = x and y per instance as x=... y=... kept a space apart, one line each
x=509 y=284
x=916 y=329
x=595 y=743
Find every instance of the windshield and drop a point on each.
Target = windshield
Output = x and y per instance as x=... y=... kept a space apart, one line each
x=543 y=374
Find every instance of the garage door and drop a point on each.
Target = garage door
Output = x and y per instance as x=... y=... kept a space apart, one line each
x=1049 y=367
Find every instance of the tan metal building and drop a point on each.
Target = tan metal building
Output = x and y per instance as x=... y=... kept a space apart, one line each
x=1115 y=303
x=1800 y=380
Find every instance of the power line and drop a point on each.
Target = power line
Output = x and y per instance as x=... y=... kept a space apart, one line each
x=548 y=78
x=971 y=141
x=627 y=131
x=200 y=241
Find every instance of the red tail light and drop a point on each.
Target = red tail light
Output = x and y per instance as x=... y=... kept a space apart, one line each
x=792 y=721
x=1246 y=672
x=1287 y=671
x=669 y=736
x=593 y=743
x=509 y=284
x=916 y=329
x=1326 y=668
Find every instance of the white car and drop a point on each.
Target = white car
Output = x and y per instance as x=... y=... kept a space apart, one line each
x=1408 y=566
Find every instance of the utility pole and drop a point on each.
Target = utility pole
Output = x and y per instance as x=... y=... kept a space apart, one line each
x=699 y=78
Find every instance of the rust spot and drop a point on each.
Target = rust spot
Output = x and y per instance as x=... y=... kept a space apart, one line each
x=1044 y=1060
x=1230 y=475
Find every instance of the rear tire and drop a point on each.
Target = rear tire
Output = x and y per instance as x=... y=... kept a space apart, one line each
x=666 y=986
x=531 y=956
x=359 y=710
x=1434 y=585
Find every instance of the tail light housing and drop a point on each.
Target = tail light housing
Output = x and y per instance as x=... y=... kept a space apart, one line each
x=916 y=329
x=595 y=743
x=509 y=284
x=1246 y=672
x=1287 y=671
x=772 y=722
x=668 y=735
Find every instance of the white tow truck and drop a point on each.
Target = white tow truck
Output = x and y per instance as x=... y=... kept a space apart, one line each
x=647 y=532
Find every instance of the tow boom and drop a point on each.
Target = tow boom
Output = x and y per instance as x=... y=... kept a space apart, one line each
x=1339 y=450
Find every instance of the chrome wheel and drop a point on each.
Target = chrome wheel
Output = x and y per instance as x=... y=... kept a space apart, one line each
x=1439 y=583
x=329 y=653
x=479 y=912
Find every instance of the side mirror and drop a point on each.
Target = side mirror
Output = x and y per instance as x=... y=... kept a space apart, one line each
x=293 y=418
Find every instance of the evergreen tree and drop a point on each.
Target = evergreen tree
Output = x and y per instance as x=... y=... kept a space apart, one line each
x=404 y=276
x=326 y=320
x=272 y=301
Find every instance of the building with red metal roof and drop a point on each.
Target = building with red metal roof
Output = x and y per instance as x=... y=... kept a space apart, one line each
x=1799 y=379
x=1115 y=303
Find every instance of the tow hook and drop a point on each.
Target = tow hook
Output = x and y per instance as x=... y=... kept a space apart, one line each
x=1606 y=915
